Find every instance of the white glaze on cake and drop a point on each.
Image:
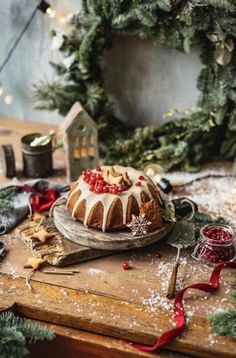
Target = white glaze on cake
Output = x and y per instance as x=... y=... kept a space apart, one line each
x=107 y=199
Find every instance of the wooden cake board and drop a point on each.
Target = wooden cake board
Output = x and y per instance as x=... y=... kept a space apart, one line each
x=96 y=239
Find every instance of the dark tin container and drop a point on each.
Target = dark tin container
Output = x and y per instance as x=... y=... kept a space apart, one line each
x=37 y=161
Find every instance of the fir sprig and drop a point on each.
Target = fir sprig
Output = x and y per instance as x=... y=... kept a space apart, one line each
x=8 y=193
x=224 y=323
x=16 y=332
x=6 y=196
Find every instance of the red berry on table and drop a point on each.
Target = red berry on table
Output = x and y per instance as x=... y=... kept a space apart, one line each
x=125 y=266
x=138 y=183
x=141 y=177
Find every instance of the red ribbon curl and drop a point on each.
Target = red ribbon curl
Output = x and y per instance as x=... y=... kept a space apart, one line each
x=42 y=199
x=179 y=316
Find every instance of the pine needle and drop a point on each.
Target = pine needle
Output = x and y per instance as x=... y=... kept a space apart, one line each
x=16 y=332
x=224 y=323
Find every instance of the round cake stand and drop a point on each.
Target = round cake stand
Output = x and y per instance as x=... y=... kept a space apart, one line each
x=117 y=240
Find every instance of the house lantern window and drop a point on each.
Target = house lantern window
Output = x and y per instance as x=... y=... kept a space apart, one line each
x=80 y=141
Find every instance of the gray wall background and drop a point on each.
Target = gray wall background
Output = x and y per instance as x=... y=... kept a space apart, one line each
x=144 y=81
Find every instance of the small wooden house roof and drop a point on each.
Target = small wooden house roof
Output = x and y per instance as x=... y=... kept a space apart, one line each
x=75 y=110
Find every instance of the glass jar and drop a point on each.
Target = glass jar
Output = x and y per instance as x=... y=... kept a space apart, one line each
x=216 y=244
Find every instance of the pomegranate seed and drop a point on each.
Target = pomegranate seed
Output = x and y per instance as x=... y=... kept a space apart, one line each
x=99 y=189
x=141 y=177
x=114 y=190
x=92 y=187
x=138 y=183
x=92 y=181
x=101 y=181
x=125 y=266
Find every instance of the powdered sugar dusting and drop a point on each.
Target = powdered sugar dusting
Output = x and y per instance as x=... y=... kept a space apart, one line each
x=156 y=300
x=216 y=196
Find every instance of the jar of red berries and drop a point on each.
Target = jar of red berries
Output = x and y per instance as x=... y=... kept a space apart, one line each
x=216 y=244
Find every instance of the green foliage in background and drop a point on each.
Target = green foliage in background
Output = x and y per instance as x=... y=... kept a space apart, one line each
x=16 y=332
x=187 y=141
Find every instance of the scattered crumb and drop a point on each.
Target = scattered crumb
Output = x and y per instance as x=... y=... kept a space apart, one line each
x=93 y=271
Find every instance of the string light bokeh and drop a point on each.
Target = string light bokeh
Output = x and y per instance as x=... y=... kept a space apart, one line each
x=58 y=17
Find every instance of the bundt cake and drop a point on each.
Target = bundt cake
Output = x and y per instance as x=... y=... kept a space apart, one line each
x=106 y=198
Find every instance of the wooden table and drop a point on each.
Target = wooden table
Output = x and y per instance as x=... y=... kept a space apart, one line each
x=113 y=316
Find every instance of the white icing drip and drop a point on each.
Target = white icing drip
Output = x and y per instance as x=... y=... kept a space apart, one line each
x=107 y=199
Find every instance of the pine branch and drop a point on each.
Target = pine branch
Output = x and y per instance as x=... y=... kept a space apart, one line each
x=224 y=323
x=16 y=332
x=8 y=193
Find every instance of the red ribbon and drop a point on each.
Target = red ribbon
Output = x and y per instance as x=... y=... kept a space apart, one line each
x=179 y=316
x=43 y=199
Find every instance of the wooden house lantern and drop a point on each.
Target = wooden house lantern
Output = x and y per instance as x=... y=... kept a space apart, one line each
x=80 y=142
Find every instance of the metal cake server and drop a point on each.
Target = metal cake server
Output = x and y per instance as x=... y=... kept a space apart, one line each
x=181 y=237
x=2 y=248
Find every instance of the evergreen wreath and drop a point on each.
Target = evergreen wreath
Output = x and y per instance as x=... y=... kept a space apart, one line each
x=188 y=140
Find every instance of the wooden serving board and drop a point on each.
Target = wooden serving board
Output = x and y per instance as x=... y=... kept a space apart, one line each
x=58 y=251
x=117 y=240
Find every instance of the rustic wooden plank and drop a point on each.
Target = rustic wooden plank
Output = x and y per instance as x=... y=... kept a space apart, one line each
x=90 y=312
x=72 y=343
x=122 y=240
x=58 y=251
x=145 y=283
